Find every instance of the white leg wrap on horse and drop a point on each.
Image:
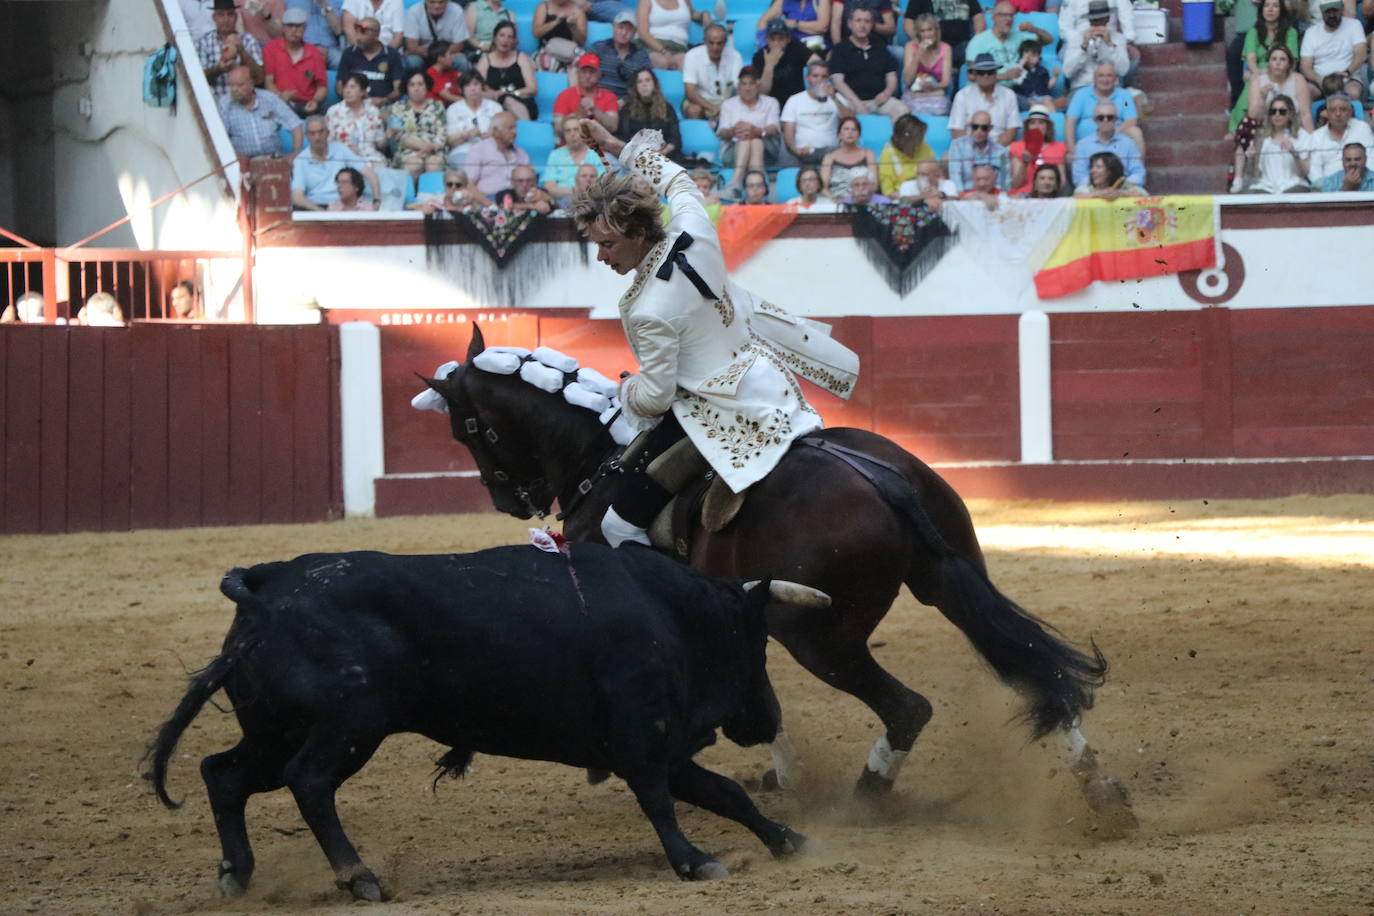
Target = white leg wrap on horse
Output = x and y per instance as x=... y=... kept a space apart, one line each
x=1072 y=742
x=1077 y=752
x=884 y=761
x=786 y=762
x=617 y=531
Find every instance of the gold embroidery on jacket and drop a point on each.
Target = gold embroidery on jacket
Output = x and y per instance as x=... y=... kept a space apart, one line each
x=805 y=368
x=740 y=437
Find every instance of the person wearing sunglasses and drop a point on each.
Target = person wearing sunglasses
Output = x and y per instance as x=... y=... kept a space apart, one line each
x=1107 y=139
x=1271 y=163
x=459 y=194
x=976 y=148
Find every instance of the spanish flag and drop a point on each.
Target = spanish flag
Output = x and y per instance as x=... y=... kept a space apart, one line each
x=1130 y=238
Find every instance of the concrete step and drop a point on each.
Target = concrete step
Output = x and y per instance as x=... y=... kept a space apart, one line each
x=1184 y=128
x=1209 y=102
x=1181 y=154
x=1176 y=53
x=1187 y=179
x=1180 y=77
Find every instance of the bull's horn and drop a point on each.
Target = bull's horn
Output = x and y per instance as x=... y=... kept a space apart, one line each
x=793 y=593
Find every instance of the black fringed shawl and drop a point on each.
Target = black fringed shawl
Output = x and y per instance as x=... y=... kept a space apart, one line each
x=513 y=269
x=902 y=241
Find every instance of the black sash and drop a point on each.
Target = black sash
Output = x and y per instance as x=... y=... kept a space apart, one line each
x=676 y=257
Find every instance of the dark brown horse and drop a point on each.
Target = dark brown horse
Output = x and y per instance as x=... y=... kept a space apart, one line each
x=857 y=528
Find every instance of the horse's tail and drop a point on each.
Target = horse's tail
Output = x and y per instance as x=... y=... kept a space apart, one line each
x=203 y=684
x=1028 y=654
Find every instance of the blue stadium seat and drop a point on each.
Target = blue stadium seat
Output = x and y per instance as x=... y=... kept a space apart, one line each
x=410 y=3
x=523 y=10
x=937 y=133
x=431 y=183
x=524 y=34
x=550 y=84
x=1047 y=21
x=670 y=81
x=698 y=139
x=599 y=31
x=877 y=130
x=410 y=186
x=535 y=138
x=745 y=37
x=284 y=138
x=785 y=185
x=695 y=34
x=333 y=97
x=1057 y=119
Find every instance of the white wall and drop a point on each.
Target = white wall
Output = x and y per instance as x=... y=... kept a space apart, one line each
x=822 y=277
x=75 y=174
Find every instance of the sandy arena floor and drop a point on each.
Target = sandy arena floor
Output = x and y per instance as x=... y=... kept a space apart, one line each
x=1238 y=710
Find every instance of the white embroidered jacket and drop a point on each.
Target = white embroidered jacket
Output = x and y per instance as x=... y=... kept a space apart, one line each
x=723 y=366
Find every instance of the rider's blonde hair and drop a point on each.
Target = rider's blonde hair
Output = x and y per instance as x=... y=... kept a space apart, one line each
x=624 y=205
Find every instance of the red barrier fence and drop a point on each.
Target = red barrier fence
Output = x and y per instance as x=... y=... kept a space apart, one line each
x=162 y=426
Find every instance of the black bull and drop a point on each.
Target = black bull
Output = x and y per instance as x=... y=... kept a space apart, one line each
x=627 y=666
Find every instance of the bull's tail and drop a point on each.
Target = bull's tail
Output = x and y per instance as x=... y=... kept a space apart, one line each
x=202 y=686
x=1026 y=653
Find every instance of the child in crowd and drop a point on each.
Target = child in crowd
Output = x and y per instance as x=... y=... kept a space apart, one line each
x=441 y=69
x=1035 y=84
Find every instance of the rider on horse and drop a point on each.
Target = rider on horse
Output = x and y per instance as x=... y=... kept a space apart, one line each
x=715 y=363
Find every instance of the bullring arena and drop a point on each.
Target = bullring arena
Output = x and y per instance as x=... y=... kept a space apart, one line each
x=1160 y=410
x=1237 y=710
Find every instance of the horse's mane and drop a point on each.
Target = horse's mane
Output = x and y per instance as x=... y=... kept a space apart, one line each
x=532 y=408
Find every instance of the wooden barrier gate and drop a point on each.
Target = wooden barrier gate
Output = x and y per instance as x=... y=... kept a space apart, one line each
x=163 y=426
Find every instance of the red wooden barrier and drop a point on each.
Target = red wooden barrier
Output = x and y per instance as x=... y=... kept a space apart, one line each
x=158 y=426
x=1215 y=383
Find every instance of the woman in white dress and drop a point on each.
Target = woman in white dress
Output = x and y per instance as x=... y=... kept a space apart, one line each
x=1270 y=165
x=662 y=26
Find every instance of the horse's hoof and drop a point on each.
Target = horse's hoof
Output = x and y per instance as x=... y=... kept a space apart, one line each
x=1110 y=802
x=229 y=886
x=596 y=777
x=227 y=883
x=366 y=887
x=791 y=843
x=871 y=785
x=710 y=871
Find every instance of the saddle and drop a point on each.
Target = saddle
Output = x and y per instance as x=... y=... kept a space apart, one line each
x=698 y=494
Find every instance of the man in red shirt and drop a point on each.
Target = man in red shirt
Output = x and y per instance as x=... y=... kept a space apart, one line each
x=586 y=99
x=296 y=71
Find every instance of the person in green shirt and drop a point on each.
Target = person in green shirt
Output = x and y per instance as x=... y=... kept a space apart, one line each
x=1258 y=25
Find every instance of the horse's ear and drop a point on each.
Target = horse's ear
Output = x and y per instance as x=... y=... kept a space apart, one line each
x=477 y=344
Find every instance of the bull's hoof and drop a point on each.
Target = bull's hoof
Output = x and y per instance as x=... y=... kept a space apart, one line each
x=1110 y=802
x=229 y=884
x=710 y=871
x=364 y=886
x=789 y=844
x=596 y=777
x=871 y=785
x=768 y=782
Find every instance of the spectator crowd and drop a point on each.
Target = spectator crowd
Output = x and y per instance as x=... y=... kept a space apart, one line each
x=1021 y=97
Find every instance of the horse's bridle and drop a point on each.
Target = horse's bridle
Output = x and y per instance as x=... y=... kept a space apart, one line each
x=473 y=426
x=523 y=490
